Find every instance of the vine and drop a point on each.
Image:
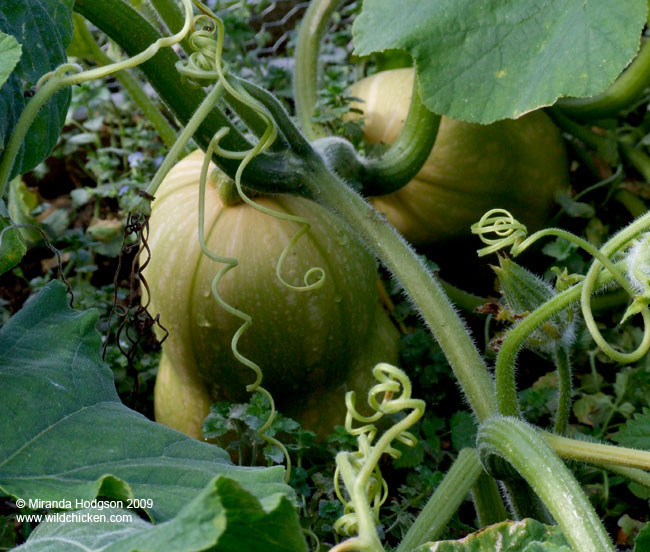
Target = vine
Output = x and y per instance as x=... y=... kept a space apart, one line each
x=511 y=232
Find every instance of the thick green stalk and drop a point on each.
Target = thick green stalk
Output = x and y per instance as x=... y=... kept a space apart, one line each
x=421 y=285
x=267 y=172
x=639 y=159
x=633 y=474
x=444 y=502
x=402 y=161
x=130 y=84
x=521 y=445
x=487 y=501
x=633 y=203
x=620 y=95
x=598 y=453
x=576 y=129
x=312 y=29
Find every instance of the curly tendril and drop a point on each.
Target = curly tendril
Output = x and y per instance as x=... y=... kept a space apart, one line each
x=508 y=229
x=205 y=66
x=510 y=232
x=359 y=470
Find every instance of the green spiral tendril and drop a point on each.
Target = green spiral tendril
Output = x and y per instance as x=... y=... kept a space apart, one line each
x=359 y=470
x=205 y=65
x=510 y=232
x=247 y=320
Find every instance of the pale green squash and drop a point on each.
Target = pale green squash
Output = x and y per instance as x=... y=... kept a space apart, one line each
x=517 y=165
x=302 y=340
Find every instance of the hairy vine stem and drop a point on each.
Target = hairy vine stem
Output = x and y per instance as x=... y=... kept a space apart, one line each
x=312 y=30
x=267 y=172
x=447 y=498
x=421 y=285
x=510 y=439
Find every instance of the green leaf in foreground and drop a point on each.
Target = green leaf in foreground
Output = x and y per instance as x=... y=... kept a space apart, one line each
x=44 y=29
x=66 y=435
x=223 y=517
x=9 y=56
x=485 y=60
x=635 y=433
x=527 y=535
x=642 y=542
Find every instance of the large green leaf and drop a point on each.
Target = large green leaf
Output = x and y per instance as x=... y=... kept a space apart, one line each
x=223 y=516
x=44 y=29
x=10 y=52
x=527 y=535
x=484 y=60
x=66 y=435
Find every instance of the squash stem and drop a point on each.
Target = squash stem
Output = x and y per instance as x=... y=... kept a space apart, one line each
x=403 y=160
x=487 y=501
x=505 y=364
x=312 y=29
x=521 y=446
x=398 y=165
x=619 y=96
x=421 y=285
x=563 y=365
x=598 y=453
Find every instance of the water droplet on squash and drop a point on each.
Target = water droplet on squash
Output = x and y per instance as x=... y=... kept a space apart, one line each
x=202 y=321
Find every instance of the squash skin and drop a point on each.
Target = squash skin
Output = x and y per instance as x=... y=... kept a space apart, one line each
x=301 y=340
x=517 y=165
x=183 y=404
x=320 y=411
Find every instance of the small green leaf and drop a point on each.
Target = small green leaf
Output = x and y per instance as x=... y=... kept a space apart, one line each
x=574 y=208
x=66 y=435
x=592 y=410
x=20 y=204
x=485 y=60
x=12 y=245
x=639 y=304
x=10 y=52
x=44 y=28
x=635 y=433
x=527 y=535
x=223 y=517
